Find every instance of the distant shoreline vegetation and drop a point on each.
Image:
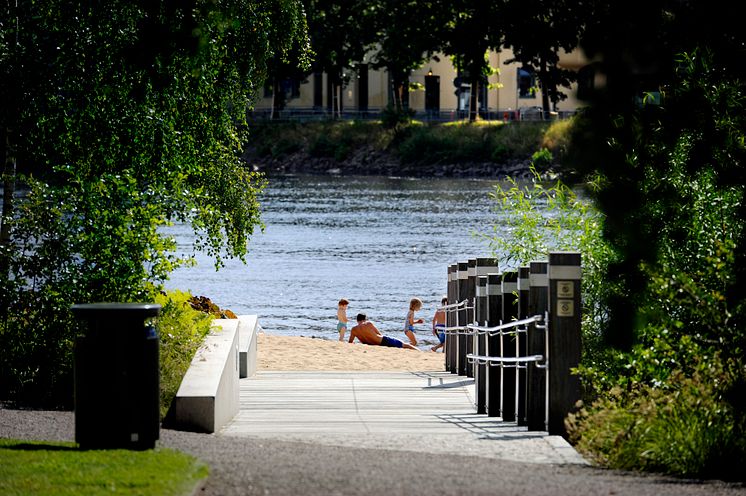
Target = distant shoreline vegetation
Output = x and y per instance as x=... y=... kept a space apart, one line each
x=459 y=149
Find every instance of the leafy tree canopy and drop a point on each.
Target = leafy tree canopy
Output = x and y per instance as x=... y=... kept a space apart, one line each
x=120 y=117
x=408 y=34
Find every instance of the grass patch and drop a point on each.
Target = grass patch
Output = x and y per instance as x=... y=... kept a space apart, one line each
x=46 y=468
x=415 y=142
x=325 y=139
x=460 y=142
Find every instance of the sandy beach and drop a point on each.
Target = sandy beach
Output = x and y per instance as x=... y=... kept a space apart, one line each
x=300 y=353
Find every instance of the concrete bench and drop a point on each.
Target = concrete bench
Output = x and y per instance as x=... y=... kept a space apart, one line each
x=248 y=327
x=208 y=396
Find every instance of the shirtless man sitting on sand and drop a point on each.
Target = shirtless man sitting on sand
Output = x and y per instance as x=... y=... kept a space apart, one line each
x=367 y=333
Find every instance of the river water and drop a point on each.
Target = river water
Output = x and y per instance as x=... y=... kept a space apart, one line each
x=376 y=241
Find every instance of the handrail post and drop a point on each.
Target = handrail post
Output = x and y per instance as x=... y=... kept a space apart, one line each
x=492 y=344
x=564 y=337
x=510 y=313
x=460 y=352
x=537 y=305
x=523 y=291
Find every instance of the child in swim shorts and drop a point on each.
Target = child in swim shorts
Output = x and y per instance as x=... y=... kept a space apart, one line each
x=439 y=325
x=342 y=318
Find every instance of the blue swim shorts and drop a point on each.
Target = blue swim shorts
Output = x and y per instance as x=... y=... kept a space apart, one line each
x=341 y=325
x=392 y=342
x=442 y=337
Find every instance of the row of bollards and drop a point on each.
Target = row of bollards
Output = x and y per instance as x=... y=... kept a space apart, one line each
x=524 y=374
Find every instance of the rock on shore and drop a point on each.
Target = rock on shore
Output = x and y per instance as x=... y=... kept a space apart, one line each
x=371 y=162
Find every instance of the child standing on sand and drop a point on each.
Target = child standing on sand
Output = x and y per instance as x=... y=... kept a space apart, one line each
x=342 y=318
x=439 y=325
x=414 y=305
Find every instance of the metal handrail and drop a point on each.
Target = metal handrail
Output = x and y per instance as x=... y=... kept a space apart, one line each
x=454 y=307
x=517 y=362
x=510 y=325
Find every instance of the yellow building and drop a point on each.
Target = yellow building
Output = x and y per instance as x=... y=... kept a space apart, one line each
x=511 y=93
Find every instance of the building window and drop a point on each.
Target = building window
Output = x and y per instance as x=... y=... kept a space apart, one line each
x=291 y=87
x=526 y=83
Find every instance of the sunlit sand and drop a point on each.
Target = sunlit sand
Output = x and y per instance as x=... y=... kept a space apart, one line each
x=299 y=353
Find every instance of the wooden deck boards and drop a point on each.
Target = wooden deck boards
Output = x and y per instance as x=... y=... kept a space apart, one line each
x=394 y=402
x=421 y=412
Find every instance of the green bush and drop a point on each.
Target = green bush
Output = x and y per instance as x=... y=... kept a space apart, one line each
x=535 y=217
x=522 y=138
x=683 y=426
x=542 y=159
x=470 y=142
x=445 y=144
x=284 y=147
x=392 y=117
x=75 y=243
x=500 y=153
x=556 y=138
x=181 y=331
x=322 y=147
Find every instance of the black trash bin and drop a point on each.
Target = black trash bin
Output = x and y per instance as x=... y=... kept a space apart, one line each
x=117 y=380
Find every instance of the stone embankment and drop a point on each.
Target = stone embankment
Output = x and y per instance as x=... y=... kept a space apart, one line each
x=368 y=162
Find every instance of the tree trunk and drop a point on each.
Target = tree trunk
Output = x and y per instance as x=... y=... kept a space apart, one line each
x=473 y=108
x=9 y=187
x=278 y=99
x=396 y=92
x=339 y=93
x=544 y=91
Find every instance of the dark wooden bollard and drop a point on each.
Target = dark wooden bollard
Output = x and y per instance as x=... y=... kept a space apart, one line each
x=510 y=313
x=450 y=317
x=536 y=345
x=564 y=337
x=523 y=289
x=485 y=267
x=493 y=383
x=468 y=342
x=480 y=343
x=460 y=348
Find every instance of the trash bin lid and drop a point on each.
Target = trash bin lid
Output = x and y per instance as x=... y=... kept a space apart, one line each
x=121 y=310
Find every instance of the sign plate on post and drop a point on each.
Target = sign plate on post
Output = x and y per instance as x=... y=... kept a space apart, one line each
x=565 y=308
x=565 y=289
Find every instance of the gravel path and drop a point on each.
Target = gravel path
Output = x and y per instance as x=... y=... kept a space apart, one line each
x=253 y=466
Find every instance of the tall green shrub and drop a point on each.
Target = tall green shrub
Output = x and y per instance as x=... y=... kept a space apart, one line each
x=181 y=331
x=535 y=217
x=671 y=397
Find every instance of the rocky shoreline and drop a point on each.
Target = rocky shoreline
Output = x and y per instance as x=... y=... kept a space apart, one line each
x=368 y=162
